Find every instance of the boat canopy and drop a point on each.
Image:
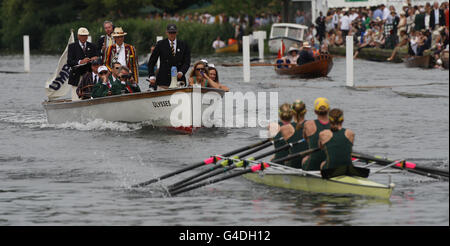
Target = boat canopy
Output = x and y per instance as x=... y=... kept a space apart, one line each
x=288 y=30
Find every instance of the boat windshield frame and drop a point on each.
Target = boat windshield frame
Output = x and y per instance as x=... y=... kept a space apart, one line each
x=288 y=29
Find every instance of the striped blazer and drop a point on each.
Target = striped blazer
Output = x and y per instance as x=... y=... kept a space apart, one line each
x=130 y=58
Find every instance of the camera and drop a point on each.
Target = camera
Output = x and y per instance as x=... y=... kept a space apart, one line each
x=127 y=76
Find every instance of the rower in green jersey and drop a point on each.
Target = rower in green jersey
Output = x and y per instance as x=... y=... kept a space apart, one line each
x=284 y=129
x=311 y=131
x=337 y=142
x=299 y=109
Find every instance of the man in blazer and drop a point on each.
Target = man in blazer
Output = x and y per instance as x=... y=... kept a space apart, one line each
x=105 y=40
x=79 y=56
x=88 y=80
x=123 y=53
x=171 y=52
x=437 y=17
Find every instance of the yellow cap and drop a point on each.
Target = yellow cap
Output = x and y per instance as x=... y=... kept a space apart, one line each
x=321 y=102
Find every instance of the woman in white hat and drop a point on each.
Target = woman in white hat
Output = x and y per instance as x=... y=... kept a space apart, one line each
x=291 y=58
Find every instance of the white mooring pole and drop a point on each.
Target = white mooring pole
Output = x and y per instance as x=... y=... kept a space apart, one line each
x=26 y=53
x=349 y=56
x=246 y=57
x=260 y=35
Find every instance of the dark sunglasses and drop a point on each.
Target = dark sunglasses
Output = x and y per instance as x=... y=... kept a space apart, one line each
x=103 y=72
x=200 y=69
x=117 y=68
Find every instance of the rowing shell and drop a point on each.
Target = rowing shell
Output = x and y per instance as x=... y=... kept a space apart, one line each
x=316 y=184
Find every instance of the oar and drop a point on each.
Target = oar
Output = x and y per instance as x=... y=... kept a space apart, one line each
x=253 y=169
x=410 y=167
x=223 y=164
x=199 y=164
x=388 y=166
x=257 y=64
x=236 y=164
x=200 y=176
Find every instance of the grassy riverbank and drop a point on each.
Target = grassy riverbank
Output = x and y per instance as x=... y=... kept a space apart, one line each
x=141 y=33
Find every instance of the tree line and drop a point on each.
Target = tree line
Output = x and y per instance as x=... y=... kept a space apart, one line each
x=44 y=20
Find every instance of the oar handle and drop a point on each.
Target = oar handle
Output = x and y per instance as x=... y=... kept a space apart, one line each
x=284 y=147
x=410 y=167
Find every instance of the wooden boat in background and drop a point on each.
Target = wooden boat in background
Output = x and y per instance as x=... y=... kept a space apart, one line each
x=419 y=61
x=371 y=54
x=234 y=48
x=444 y=58
x=319 y=68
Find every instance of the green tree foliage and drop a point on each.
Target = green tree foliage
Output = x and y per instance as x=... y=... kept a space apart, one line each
x=48 y=22
x=25 y=17
x=251 y=7
x=173 y=6
x=112 y=9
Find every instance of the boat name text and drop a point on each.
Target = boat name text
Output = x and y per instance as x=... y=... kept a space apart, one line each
x=162 y=104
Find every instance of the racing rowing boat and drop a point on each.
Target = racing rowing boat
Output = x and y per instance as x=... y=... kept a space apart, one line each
x=311 y=181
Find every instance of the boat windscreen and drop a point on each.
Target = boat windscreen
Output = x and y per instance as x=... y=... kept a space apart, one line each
x=279 y=32
x=295 y=33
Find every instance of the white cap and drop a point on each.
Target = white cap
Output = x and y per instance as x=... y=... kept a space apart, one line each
x=83 y=31
x=102 y=69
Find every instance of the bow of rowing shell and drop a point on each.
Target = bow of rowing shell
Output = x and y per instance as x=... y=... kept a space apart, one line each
x=154 y=107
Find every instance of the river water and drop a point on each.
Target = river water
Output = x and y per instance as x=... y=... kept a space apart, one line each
x=81 y=174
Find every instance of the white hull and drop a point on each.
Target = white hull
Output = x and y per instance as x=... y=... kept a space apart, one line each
x=158 y=108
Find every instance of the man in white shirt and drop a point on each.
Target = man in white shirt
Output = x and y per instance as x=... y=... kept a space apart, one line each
x=345 y=25
x=386 y=12
x=354 y=15
x=335 y=19
x=218 y=43
x=437 y=17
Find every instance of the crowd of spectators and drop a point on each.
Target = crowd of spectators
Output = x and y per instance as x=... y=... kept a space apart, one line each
x=415 y=28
